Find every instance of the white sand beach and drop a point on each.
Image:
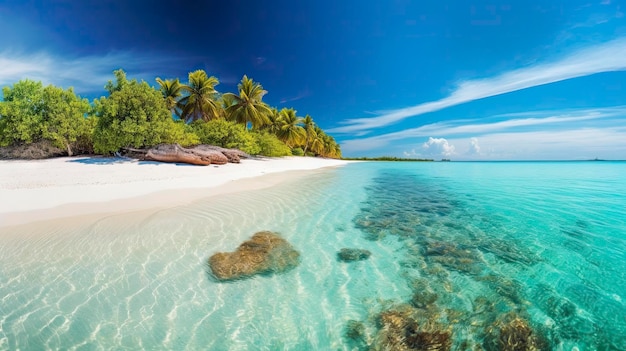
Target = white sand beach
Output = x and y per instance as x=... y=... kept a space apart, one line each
x=70 y=186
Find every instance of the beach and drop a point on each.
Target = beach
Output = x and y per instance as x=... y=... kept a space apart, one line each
x=71 y=186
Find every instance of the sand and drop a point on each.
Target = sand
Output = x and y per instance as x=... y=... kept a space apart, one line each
x=70 y=186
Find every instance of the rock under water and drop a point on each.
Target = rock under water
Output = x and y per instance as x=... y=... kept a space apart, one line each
x=265 y=253
x=349 y=255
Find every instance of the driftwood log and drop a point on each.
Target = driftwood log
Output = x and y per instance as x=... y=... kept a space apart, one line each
x=196 y=155
x=215 y=156
x=177 y=154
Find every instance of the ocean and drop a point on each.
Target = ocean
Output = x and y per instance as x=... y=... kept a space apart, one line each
x=464 y=256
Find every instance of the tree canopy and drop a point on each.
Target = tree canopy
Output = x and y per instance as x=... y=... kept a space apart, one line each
x=137 y=115
x=31 y=112
x=248 y=107
x=200 y=99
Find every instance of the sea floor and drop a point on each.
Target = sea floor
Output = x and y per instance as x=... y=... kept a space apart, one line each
x=464 y=256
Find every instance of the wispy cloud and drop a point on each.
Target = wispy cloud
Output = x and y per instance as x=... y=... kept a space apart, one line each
x=85 y=74
x=574 y=144
x=301 y=95
x=607 y=57
x=565 y=118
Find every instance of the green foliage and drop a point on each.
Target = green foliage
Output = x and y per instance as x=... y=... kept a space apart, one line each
x=21 y=109
x=171 y=90
x=135 y=115
x=289 y=129
x=84 y=139
x=297 y=151
x=120 y=82
x=309 y=130
x=183 y=134
x=31 y=113
x=270 y=145
x=226 y=134
x=248 y=106
x=63 y=117
x=200 y=101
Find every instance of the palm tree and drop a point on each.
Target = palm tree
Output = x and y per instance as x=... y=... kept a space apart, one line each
x=290 y=131
x=200 y=102
x=248 y=106
x=317 y=141
x=171 y=90
x=274 y=119
x=309 y=130
x=331 y=148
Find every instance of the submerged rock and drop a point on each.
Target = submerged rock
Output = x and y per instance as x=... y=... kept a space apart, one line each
x=349 y=255
x=265 y=253
x=355 y=330
x=398 y=330
x=513 y=333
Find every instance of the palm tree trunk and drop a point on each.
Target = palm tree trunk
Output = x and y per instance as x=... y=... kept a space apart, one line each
x=306 y=144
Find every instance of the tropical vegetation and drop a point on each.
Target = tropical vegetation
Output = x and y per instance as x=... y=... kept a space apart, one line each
x=135 y=114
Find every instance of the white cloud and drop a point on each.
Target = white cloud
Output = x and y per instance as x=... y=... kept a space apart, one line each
x=437 y=147
x=607 y=57
x=474 y=148
x=575 y=144
x=569 y=119
x=85 y=74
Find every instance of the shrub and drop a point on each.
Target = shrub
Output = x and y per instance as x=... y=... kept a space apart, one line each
x=221 y=132
x=270 y=145
x=297 y=151
x=135 y=115
x=31 y=113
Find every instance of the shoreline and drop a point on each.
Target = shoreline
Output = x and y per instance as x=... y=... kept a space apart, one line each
x=34 y=191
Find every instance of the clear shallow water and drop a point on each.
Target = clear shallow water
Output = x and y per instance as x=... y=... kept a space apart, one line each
x=463 y=244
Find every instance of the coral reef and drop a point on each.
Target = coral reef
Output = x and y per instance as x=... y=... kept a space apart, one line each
x=511 y=332
x=400 y=330
x=265 y=253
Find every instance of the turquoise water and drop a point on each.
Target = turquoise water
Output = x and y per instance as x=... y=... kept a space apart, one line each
x=459 y=245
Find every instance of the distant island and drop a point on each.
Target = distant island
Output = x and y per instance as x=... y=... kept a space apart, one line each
x=38 y=121
x=388 y=158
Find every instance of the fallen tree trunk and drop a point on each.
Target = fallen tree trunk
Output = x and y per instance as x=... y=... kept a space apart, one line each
x=174 y=153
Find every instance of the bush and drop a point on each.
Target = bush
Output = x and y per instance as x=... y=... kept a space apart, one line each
x=183 y=134
x=270 y=145
x=84 y=139
x=221 y=132
x=135 y=115
x=32 y=113
x=297 y=152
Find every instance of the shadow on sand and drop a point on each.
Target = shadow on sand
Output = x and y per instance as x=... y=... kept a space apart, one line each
x=119 y=160
x=101 y=160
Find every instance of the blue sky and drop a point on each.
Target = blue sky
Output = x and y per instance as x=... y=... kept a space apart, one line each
x=466 y=80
